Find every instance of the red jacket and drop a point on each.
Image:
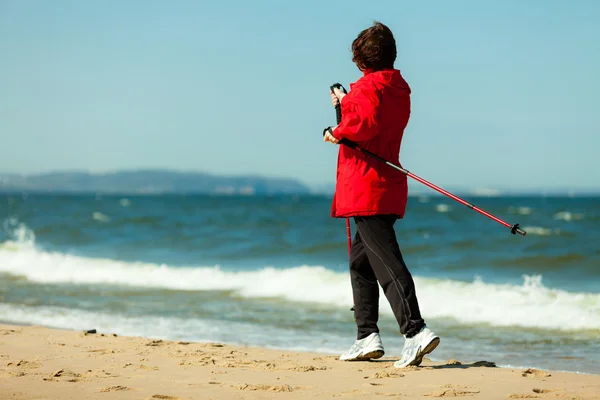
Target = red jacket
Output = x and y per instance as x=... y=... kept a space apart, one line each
x=374 y=114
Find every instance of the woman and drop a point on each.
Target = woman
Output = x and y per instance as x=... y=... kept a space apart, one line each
x=374 y=114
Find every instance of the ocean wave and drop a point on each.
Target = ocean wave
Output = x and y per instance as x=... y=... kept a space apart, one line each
x=530 y=304
x=173 y=328
x=539 y=231
x=98 y=216
x=442 y=208
x=20 y=236
x=520 y=210
x=568 y=216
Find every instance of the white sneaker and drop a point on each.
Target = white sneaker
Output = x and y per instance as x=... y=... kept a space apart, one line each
x=365 y=349
x=416 y=347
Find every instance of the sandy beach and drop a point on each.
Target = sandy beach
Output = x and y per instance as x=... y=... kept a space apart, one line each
x=42 y=363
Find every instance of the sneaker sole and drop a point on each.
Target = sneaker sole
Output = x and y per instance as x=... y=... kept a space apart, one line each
x=428 y=349
x=372 y=355
x=368 y=356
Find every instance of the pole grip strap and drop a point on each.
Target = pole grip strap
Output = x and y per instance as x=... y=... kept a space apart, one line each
x=338 y=108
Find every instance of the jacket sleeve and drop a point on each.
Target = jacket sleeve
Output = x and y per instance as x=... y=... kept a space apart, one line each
x=359 y=116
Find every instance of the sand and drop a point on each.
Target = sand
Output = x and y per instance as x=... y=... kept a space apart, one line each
x=42 y=363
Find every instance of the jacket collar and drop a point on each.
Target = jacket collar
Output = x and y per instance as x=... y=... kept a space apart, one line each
x=367 y=71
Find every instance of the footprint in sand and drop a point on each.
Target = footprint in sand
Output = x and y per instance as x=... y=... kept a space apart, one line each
x=101 y=351
x=307 y=368
x=24 y=364
x=533 y=396
x=268 y=388
x=416 y=368
x=262 y=365
x=8 y=331
x=64 y=375
x=385 y=374
x=147 y=368
x=115 y=389
x=212 y=345
x=18 y=369
x=164 y=397
x=536 y=390
x=453 y=391
x=353 y=393
x=536 y=373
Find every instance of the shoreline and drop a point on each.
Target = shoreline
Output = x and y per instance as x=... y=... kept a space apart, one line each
x=4 y=323
x=40 y=362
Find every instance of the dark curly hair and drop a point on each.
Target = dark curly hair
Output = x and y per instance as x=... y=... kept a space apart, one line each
x=374 y=48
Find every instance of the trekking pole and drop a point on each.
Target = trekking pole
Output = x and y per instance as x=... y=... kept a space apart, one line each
x=514 y=229
x=338 y=117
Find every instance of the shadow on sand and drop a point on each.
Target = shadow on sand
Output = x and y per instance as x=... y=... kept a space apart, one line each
x=451 y=364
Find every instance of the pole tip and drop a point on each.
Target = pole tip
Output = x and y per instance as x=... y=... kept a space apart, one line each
x=515 y=229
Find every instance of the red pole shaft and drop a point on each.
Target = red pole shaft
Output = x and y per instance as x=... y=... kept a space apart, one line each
x=447 y=193
x=514 y=228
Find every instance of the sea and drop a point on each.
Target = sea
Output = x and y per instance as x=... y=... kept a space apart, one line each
x=272 y=271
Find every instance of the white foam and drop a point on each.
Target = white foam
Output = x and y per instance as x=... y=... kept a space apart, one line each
x=539 y=231
x=21 y=236
x=175 y=328
x=442 y=208
x=124 y=202
x=528 y=305
x=486 y=192
x=520 y=210
x=98 y=216
x=568 y=216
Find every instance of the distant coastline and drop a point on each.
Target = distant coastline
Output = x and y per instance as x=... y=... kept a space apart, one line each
x=157 y=182
x=148 y=182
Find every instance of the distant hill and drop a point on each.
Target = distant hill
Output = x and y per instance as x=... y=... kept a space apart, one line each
x=166 y=181
x=148 y=182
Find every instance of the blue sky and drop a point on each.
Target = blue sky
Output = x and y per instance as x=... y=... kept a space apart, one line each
x=505 y=94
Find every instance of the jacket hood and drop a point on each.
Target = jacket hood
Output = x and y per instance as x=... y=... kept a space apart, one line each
x=390 y=78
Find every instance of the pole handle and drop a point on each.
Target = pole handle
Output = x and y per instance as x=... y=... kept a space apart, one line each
x=515 y=229
x=338 y=108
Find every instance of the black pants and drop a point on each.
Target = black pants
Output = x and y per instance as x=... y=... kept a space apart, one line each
x=376 y=258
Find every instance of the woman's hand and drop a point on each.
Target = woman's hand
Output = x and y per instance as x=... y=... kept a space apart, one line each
x=336 y=96
x=328 y=137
